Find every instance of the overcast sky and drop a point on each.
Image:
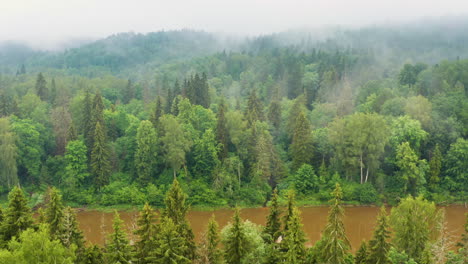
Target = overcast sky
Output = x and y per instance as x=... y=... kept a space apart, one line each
x=47 y=22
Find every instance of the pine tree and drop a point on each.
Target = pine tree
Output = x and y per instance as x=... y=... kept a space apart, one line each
x=54 y=213
x=335 y=242
x=118 y=248
x=87 y=122
x=274 y=114
x=171 y=247
x=254 y=111
x=222 y=133
x=236 y=241
x=435 y=165
x=176 y=210
x=294 y=239
x=41 y=87
x=157 y=113
x=146 y=231
x=379 y=245
x=273 y=224
x=289 y=209
x=362 y=255
x=146 y=152
x=301 y=146
x=17 y=216
x=100 y=165
x=208 y=251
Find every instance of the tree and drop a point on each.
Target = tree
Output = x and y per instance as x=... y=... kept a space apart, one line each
x=41 y=87
x=146 y=152
x=176 y=210
x=176 y=142
x=273 y=223
x=53 y=93
x=294 y=239
x=412 y=170
x=274 y=114
x=76 y=160
x=236 y=241
x=301 y=146
x=291 y=196
x=254 y=110
x=222 y=133
x=129 y=92
x=157 y=113
x=209 y=252
x=335 y=243
x=456 y=164
x=118 y=249
x=379 y=245
x=71 y=233
x=87 y=122
x=61 y=120
x=17 y=216
x=54 y=213
x=146 y=231
x=362 y=255
x=414 y=223
x=435 y=166
x=93 y=255
x=8 y=154
x=100 y=165
x=35 y=247
x=306 y=181
x=205 y=155
x=171 y=247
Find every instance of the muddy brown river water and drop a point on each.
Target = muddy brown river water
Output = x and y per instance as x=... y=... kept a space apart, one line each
x=359 y=221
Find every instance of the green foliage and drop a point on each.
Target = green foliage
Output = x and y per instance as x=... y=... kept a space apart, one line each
x=235 y=242
x=362 y=255
x=118 y=248
x=209 y=251
x=8 y=154
x=54 y=213
x=379 y=245
x=412 y=170
x=146 y=231
x=17 y=216
x=176 y=142
x=146 y=152
x=100 y=165
x=171 y=245
x=301 y=146
x=294 y=239
x=305 y=181
x=273 y=224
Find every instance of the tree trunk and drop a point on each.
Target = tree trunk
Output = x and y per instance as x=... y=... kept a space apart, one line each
x=367 y=174
x=362 y=176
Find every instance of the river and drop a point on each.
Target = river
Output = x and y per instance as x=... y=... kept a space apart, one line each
x=359 y=221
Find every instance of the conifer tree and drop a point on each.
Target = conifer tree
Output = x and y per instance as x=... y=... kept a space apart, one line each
x=41 y=87
x=71 y=134
x=72 y=235
x=362 y=254
x=93 y=255
x=204 y=94
x=8 y=155
x=176 y=210
x=54 y=213
x=17 y=216
x=146 y=231
x=157 y=113
x=435 y=165
x=129 y=92
x=236 y=241
x=335 y=242
x=274 y=114
x=53 y=92
x=222 y=133
x=209 y=251
x=171 y=247
x=118 y=249
x=100 y=165
x=87 y=123
x=289 y=209
x=301 y=146
x=296 y=109
x=379 y=245
x=146 y=152
x=294 y=239
x=273 y=223
x=254 y=111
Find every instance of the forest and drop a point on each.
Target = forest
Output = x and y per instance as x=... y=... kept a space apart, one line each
x=371 y=116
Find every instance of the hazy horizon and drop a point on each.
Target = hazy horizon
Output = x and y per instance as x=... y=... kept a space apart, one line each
x=52 y=23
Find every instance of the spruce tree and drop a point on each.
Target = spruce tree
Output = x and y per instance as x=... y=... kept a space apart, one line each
x=17 y=216
x=171 y=245
x=53 y=93
x=146 y=152
x=274 y=114
x=289 y=209
x=335 y=242
x=118 y=249
x=146 y=231
x=72 y=235
x=41 y=87
x=301 y=146
x=435 y=165
x=362 y=254
x=235 y=245
x=176 y=209
x=222 y=133
x=294 y=239
x=54 y=213
x=379 y=245
x=157 y=113
x=254 y=111
x=273 y=223
x=93 y=255
x=208 y=251
x=129 y=92
x=87 y=123
x=100 y=164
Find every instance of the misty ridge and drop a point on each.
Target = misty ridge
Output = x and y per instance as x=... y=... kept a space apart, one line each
x=427 y=41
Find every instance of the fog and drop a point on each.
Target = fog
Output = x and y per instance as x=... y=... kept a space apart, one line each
x=52 y=24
